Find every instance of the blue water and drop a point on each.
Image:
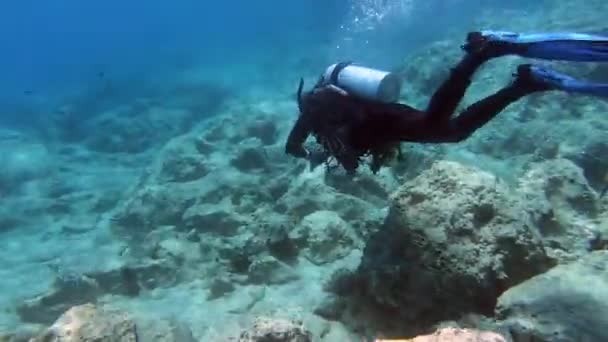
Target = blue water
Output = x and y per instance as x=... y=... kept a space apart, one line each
x=56 y=49
x=149 y=135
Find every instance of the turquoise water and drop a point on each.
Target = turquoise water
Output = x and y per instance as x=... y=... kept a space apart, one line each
x=142 y=146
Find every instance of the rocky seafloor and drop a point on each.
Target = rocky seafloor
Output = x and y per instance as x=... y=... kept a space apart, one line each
x=154 y=224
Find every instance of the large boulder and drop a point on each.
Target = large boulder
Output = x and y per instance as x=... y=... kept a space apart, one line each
x=454 y=240
x=588 y=155
x=266 y=329
x=182 y=161
x=308 y=192
x=268 y=270
x=568 y=303
x=326 y=236
x=151 y=206
x=562 y=205
x=459 y=335
x=72 y=289
x=86 y=323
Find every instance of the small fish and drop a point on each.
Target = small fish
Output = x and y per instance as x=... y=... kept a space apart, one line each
x=28 y=92
x=101 y=74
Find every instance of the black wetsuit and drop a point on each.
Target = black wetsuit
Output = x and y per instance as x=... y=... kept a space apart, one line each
x=349 y=127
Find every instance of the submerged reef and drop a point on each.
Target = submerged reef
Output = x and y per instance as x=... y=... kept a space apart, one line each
x=453 y=235
x=155 y=221
x=542 y=308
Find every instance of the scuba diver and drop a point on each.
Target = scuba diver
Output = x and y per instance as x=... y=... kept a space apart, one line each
x=353 y=110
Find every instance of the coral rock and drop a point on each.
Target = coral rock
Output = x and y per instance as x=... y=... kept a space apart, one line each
x=250 y=159
x=453 y=235
x=457 y=335
x=268 y=270
x=327 y=236
x=275 y=330
x=212 y=220
x=86 y=323
x=589 y=158
x=562 y=205
x=265 y=130
x=568 y=303
x=66 y=292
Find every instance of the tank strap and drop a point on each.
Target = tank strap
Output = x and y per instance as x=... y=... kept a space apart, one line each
x=333 y=79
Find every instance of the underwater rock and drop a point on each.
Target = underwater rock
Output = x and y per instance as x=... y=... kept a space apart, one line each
x=72 y=289
x=326 y=236
x=163 y=331
x=454 y=235
x=265 y=235
x=266 y=329
x=173 y=249
x=562 y=204
x=370 y=188
x=22 y=161
x=308 y=194
x=86 y=323
x=534 y=139
x=151 y=206
x=600 y=241
x=590 y=157
x=130 y=280
x=203 y=146
x=9 y=219
x=122 y=131
x=210 y=219
x=281 y=246
x=567 y=303
x=23 y=333
x=268 y=270
x=219 y=288
x=459 y=335
x=169 y=248
x=220 y=130
x=250 y=159
x=265 y=130
x=182 y=162
x=67 y=291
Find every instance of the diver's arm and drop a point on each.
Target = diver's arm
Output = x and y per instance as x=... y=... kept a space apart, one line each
x=298 y=135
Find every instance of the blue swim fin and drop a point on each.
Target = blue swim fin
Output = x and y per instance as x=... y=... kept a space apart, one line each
x=577 y=47
x=558 y=81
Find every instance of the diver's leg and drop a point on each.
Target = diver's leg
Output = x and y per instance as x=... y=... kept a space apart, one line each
x=478 y=49
x=446 y=98
x=480 y=113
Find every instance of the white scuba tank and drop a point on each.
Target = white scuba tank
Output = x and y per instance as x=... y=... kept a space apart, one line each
x=367 y=83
